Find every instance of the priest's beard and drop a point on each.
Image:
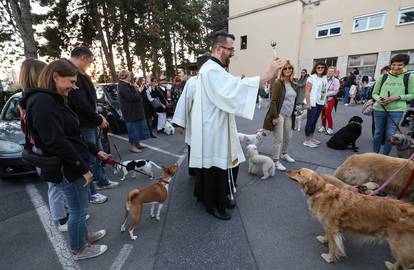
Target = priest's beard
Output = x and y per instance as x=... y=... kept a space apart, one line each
x=227 y=62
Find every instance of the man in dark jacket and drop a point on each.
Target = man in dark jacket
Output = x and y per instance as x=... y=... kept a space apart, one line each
x=83 y=103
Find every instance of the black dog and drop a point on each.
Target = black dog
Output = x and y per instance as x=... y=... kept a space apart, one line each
x=347 y=135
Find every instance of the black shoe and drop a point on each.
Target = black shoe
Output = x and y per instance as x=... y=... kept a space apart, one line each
x=152 y=135
x=231 y=204
x=219 y=213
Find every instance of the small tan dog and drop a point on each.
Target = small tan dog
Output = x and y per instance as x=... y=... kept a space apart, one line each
x=372 y=169
x=259 y=163
x=340 y=210
x=155 y=193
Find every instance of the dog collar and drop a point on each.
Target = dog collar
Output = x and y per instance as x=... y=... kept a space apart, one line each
x=164 y=181
x=352 y=122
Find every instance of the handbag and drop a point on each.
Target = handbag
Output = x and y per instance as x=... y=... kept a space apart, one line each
x=156 y=103
x=39 y=161
x=367 y=108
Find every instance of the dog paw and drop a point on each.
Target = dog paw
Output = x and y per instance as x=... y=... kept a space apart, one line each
x=328 y=258
x=390 y=265
x=157 y=218
x=152 y=215
x=123 y=228
x=322 y=239
x=134 y=237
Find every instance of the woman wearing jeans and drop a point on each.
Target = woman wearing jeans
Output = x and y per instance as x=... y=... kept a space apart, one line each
x=391 y=101
x=54 y=129
x=332 y=91
x=315 y=100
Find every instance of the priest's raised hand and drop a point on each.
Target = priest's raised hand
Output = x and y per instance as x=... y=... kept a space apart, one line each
x=272 y=71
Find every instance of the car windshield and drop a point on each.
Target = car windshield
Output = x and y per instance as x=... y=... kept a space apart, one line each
x=12 y=111
x=112 y=92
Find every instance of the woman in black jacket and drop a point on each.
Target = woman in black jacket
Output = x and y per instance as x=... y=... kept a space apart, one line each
x=132 y=108
x=54 y=129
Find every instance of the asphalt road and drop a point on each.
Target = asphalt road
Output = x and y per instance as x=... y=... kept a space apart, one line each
x=271 y=227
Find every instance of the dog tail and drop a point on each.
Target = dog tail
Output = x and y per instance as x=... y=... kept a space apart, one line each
x=131 y=195
x=154 y=164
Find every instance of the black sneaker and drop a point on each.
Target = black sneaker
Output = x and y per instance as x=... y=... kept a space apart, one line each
x=219 y=213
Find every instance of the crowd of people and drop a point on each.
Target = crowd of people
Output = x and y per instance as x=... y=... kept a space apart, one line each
x=60 y=119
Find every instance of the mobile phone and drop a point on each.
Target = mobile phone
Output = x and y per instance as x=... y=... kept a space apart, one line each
x=389 y=94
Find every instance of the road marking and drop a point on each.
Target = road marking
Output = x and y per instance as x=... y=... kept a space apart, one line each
x=325 y=170
x=122 y=257
x=146 y=145
x=55 y=236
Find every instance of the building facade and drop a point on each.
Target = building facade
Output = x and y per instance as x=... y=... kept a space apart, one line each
x=346 y=34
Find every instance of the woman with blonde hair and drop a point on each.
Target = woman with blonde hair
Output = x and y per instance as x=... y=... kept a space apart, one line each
x=280 y=115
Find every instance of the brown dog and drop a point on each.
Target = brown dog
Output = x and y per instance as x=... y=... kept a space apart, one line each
x=361 y=169
x=155 y=193
x=340 y=210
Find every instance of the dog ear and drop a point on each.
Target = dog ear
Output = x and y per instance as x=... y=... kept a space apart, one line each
x=313 y=184
x=246 y=140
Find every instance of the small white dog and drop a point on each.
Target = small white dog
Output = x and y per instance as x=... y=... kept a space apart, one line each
x=259 y=163
x=130 y=166
x=300 y=113
x=169 y=128
x=255 y=139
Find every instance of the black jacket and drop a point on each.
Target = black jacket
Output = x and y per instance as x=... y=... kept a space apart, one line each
x=83 y=102
x=54 y=127
x=131 y=102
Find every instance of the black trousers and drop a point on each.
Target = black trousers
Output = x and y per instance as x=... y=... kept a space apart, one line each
x=191 y=171
x=211 y=186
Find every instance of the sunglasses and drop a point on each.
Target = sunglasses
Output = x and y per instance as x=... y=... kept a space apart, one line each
x=288 y=68
x=321 y=67
x=229 y=49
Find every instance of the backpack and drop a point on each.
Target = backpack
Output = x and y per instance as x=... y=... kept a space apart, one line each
x=405 y=80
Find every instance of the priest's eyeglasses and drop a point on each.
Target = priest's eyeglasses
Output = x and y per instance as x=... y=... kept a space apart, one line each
x=230 y=49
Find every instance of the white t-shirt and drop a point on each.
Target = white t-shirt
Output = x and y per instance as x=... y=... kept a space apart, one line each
x=318 y=91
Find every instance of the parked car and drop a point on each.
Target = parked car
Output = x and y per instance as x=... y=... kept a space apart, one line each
x=109 y=107
x=12 y=141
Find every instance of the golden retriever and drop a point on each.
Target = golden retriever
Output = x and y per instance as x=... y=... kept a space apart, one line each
x=361 y=169
x=340 y=210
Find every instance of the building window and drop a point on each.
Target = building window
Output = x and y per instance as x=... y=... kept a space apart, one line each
x=406 y=15
x=328 y=29
x=410 y=65
x=243 y=42
x=330 y=61
x=366 y=64
x=369 y=22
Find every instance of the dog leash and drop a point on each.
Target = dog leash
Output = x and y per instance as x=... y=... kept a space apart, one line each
x=393 y=176
x=407 y=186
x=392 y=120
x=232 y=187
x=112 y=162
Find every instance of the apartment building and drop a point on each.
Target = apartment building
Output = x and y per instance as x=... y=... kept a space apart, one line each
x=343 y=33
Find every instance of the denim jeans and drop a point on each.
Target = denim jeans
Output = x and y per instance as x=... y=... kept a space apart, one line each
x=346 y=95
x=77 y=198
x=312 y=119
x=57 y=204
x=95 y=165
x=384 y=125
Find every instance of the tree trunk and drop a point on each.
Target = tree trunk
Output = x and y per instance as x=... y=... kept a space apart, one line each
x=126 y=33
x=22 y=15
x=167 y=53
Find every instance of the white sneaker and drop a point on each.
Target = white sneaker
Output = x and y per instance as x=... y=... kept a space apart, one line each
x=315 y=141
x=321 y=129
x=329 y=131
x=90 y=251
x=279 y=166
x=111 y=184
x=98 y=198
x=346 y=104
x=309 y=144
x=287 y=158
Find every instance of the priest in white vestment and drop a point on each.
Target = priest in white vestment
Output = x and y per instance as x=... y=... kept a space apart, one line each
x=215 y=147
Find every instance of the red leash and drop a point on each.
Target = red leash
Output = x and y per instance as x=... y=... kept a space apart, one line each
x=392 y=120
x=407 y=186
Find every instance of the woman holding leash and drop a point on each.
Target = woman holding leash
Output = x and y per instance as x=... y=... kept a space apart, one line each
x=279 y=116
x=391 y=95
x=332 y=91
x=54 y=130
